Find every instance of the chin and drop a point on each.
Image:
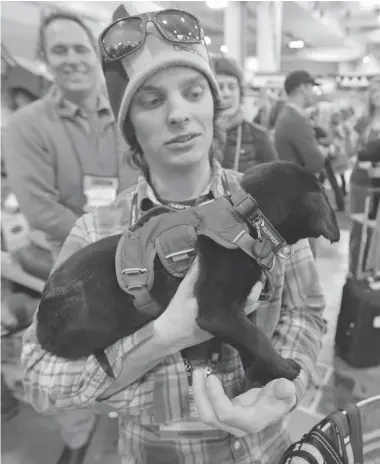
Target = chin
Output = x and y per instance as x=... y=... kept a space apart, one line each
x=188 y=159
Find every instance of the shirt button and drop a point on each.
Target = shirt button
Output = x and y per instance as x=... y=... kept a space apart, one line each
x=237 y=444
x=231 y=376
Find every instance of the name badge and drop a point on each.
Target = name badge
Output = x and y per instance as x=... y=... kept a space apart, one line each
x=191 y=427
x=99 y=191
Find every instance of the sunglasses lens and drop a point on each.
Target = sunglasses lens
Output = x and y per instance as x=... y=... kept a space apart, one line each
x=179 y=26
x=123 y=38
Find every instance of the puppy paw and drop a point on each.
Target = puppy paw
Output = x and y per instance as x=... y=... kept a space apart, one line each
x=259 y=374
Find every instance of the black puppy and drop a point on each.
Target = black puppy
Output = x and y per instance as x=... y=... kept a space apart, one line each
x=83 y=310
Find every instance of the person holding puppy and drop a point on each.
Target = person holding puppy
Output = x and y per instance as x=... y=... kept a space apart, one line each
x=166 y=100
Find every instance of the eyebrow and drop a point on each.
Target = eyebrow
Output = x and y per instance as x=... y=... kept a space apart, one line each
x=62 y=44
x=184 y=83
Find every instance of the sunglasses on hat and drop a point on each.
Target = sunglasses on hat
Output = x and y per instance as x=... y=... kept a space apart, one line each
x=126 y=35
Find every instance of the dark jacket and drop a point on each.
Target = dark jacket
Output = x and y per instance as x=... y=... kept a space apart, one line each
x=295 y=140
x=256 y=147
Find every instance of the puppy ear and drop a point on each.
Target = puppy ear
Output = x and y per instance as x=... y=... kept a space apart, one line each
x=321 y=216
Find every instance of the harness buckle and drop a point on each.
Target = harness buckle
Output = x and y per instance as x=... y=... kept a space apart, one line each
x=134 y=270
x=246 y=206
x=181 y=255
x=134 y=278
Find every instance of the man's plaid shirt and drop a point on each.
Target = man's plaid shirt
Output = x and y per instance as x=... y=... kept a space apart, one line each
x=292 y=319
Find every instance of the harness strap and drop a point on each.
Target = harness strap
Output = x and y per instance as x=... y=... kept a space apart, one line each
x=155 y=211
x=182 y=238
x=262 y=253
x=246 y=206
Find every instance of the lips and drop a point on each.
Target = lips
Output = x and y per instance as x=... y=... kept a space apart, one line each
x=183 y=138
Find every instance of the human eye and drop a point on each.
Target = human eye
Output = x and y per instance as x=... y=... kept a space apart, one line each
x=59 y=50
x=195 y=92
x=81 y=49
x=150 y=100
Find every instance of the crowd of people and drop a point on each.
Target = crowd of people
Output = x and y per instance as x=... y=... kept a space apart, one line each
x=165 y=125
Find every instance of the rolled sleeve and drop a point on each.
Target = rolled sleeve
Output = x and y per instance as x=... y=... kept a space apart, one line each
x=300 y=330
x=53 y=383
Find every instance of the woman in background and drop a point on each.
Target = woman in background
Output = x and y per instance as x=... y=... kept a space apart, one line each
x=247 y=143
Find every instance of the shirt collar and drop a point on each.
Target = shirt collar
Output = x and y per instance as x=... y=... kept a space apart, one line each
x=146 y=197
x=69 y=109
x=296 y=108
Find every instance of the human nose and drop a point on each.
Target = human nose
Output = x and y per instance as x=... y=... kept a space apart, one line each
x=72 y=56
x=224 y=91
x=178 y=113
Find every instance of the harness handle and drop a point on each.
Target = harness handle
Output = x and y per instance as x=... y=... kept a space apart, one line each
x=155 y=211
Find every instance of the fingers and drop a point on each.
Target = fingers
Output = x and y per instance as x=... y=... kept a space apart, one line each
x=253 y=301
x=279 y=389
x=186 y=287
x=250 y=412
x=205 y=408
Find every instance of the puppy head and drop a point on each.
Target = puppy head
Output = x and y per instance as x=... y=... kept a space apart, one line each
x=315 y=217
x=293 y=200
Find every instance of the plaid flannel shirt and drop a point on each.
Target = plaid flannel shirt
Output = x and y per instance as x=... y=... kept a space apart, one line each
x=292 y=319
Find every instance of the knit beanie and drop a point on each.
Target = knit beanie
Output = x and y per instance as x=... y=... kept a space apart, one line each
x=124 y=77
x=226 y=65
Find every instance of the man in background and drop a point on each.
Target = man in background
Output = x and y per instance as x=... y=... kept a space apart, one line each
x=294 y=136
x=65 y=157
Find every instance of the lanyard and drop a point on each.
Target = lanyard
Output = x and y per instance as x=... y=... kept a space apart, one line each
x=237 y=148
x=134 y=214
x=214 y=354
x=215 y=347
x=77 y=154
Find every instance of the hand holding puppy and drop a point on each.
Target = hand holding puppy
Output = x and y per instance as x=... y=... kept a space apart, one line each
x=250 y=412
x=177 y=328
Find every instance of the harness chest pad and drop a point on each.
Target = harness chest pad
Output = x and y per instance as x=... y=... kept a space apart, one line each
x=173 y=237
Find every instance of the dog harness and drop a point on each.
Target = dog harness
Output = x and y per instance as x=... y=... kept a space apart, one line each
x=227 y=221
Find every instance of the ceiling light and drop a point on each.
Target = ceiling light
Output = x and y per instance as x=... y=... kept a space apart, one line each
x=224 y=49
x=207 y=40
x=296 y=44
x=366 y=59
x=217 y=4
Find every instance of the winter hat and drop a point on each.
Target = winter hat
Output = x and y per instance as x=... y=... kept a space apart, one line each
x=124 y=77
x=226 y=65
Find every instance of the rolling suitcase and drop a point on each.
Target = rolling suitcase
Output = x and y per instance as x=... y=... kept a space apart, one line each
x=357 y=337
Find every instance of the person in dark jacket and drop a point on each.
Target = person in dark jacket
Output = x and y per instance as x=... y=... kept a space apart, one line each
x=294 y=136
x=247 y=143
